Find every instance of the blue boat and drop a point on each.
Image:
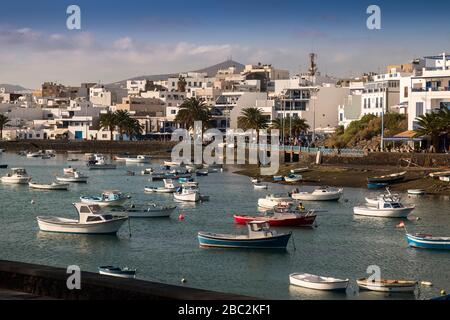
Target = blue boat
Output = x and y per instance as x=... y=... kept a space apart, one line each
x=259 y=237
x=425 y=241
x=278 y=178
x=185 y=180
x=376 y=185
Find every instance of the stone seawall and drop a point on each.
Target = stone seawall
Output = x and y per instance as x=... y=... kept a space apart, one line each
x=51 y=282
x=382 y=159
x=61 y=146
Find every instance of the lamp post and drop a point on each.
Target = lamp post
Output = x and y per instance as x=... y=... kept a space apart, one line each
x=382 y=130
x=314 y=91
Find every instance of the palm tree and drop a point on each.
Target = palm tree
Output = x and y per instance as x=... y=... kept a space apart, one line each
x=122 y=120
x=252 y=118
x=108 y=121
x=430 y=124
x=296 y=125
x=132 y=128
x=3 y=121
x=299 y=125
x=193 y=110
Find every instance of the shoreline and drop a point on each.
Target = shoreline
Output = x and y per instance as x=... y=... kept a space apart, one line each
x=354 y=176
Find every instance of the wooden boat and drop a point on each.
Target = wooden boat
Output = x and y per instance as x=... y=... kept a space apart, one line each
x=440 y=174
x=76 y=177
x=260 y=186
x=107 y=198
x=377 y=185
x=281 y=218
x=299 y=170
x=169 y=187
x=259 y=237
x=91 y=220
x=426 y=241
x=386 y=207
x=417 y=192
x=320 y=194
x=292 y=178
x=17 y=176
x=117 y=272
x=272 y=200
x=52 y=186
x=310 y=281
x=390 y=178
x=150 y=211
x=138 y=159
x=387 y=285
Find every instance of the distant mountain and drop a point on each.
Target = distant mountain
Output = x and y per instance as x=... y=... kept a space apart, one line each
x=15 y=88
x=211 y=71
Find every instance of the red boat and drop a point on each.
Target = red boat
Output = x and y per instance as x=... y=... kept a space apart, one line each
x=280 y=220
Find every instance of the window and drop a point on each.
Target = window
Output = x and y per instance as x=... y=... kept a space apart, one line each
x=405 y=92
x=93 y=219
x=104 y=136
x=376 y=103
x=85 y=209
x=173 y=111
x=381 y=103
x=341 y=117
x=419 y=109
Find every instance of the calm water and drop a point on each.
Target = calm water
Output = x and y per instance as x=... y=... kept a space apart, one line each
x=167 y=250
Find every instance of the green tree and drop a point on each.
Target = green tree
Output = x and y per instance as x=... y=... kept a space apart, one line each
x=430 y=124
x=132 y=128
x=3 y=122
x=108 y=121
x=193 y=110
x=252 y=118
x=122 y=121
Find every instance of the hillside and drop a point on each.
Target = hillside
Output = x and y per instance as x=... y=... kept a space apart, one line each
x=14 y=88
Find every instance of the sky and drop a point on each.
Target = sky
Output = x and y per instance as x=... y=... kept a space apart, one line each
x=124 y=39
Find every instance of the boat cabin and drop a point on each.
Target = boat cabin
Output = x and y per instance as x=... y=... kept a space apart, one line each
x=390 y=202
x=168 y=184
x=18 y=172
x=91 y=213
x=258 y=229
x=112 y=195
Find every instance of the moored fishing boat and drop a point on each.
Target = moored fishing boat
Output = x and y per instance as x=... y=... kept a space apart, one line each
x=69 y=170
x=76 y=177
x=416 y=192
x=17 y=176
x=272 y=200
x=278 y=178
x=169 y=187
x=107 y=198
x=98 y=162
x=383 y=285
x=52 y=186
x=440 y=174
x=445 y=179
x=320 y=194
x=390 y=178
x=281 y=217
x=117 y=272
x=138 y=159
x=260 y=186
x=376 y=185
x=91 y=220
x=310 y=281
x=386 y=207
x=292 y=178
x=202 y=173
x=299 y=170
x=259 y=237
x=148 y=211
x=427 y=241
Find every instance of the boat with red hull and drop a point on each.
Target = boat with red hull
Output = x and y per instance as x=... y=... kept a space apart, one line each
x=280 y=220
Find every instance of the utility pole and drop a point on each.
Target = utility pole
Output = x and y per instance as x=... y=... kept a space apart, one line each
x=382 y=130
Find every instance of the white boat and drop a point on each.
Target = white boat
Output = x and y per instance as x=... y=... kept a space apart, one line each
x=51 y=186
x=445 y=179
x=386 y=207
x=98 y=162
x=292 y=178
x=374 y=201
x=17 y=176
x=107 y=198
x=440 y=174
x=387 y=285
x=76 y=177
x=91 y=220
x=260 y=186
x=147 y=171
x=69 y=170
x=310 y=281
x=172 y=164
x=188 y=192
x=299 y=170
x=255 y=180
x=150 y=211
x=37 y=154
x=417 y=192
x=169 y=187
x=117 y=272
x=138 y=159
x=273 y=200
x=320 y=194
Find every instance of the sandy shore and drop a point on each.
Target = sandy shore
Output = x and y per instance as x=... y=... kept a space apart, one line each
x=356 y=176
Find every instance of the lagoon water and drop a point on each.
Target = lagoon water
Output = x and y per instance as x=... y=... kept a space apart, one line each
x=166 y=250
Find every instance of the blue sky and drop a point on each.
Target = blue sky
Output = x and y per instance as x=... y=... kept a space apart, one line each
x=130 y=38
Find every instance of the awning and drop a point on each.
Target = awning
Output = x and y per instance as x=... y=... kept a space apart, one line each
x=405 y=136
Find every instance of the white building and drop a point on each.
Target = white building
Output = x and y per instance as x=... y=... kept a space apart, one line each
x=430 y=89
x=100 y=96
x=194 y=80
x=350 y=110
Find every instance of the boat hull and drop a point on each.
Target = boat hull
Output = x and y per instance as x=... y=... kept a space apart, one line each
x=301 y=221
x=408 y=287
x=122 y=274
x=277 y=242
x=380 y=213
x=90 y=201
x=427 y=243
x=337 y=285
x=329 y=196
x=72 y=180
x=194 y=197
x=50 y=187
x=13 y=180
x=109 y=227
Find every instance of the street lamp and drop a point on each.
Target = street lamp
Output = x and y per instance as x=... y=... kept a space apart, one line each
x=314 y=92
